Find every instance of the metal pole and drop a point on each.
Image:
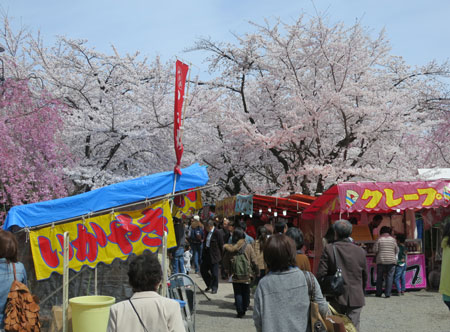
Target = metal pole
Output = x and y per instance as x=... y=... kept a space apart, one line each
x=164 y=243
x=164 y=253
x=95 y=281
x=164 y=258
x=116 y=208
x=65 y=304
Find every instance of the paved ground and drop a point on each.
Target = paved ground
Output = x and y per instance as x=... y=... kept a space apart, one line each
x=416 y=311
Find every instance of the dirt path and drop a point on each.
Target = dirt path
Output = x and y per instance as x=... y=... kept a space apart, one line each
x=416 y=311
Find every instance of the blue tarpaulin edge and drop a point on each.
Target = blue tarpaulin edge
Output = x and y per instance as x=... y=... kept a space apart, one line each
x=135 y=190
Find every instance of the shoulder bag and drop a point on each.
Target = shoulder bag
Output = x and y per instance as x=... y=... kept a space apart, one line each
x=331 y=323
x=341 y=322
x=333 y=285
x=317 y=321
x=140 y=320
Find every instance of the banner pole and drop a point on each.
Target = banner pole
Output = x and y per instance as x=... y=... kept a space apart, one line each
x=65 y=304
x=95 y=281
x=164 y=260
x=164 y=242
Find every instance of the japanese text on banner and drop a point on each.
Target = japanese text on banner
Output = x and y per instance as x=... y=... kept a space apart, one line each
x=101 y=239
x=387 y=196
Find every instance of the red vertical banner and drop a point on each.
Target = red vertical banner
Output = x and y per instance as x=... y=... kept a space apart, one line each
x=180 y=80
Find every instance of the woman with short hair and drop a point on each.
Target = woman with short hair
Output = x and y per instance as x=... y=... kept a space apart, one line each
x=8 y=257
x=146 y=310
x=301 y=259
x=282 y=299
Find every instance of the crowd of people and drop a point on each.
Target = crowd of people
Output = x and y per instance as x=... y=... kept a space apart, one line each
x=275 y=255
x=271 y=260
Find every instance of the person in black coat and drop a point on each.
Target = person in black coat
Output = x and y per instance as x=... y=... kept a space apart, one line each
x=212 y=256
x=226 y=236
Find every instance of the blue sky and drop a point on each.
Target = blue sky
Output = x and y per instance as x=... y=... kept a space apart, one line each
x=418 y=31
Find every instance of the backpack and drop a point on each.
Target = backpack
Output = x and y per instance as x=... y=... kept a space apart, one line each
x=240 y=266
x=197 y=234
x=22 y=309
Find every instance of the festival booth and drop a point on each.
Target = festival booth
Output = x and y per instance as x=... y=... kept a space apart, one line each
x=403 y=206
x=103 y=228
x=264 y=207
x=259 y=210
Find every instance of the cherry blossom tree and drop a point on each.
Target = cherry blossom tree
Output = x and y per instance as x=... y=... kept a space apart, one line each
x=119 y=122
x=309 y=104
x=435 y=145
x=32 y=154
x=290 y=107
x=119 y=114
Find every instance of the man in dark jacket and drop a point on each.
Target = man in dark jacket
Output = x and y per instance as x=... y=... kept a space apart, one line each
x=212 y=255
x=225 y=230
x=352 y=261
x=226 y=236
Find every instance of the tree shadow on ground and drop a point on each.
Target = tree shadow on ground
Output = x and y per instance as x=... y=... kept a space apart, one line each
x=221 y=304
x=216 y=313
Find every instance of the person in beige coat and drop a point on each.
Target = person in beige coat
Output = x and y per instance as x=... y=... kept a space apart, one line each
x=241 y=284
x=146 y=310
x=258 y=247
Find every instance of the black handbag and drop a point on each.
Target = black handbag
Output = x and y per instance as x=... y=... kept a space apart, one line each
x=333 y=285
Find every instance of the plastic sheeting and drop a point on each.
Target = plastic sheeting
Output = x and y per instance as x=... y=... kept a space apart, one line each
x=135 y=190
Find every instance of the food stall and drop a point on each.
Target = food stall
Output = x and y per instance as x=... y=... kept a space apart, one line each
x=103 y=228
x=268 y=207
x=398 y=203
x=259 y=210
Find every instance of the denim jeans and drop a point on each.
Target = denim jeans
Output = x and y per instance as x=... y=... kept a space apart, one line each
x=388 y=270
x=241 y=297
x=400 y=280
x=197 y=255
x=178 y=261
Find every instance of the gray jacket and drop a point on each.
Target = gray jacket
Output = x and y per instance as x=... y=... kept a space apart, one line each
x=282 y=302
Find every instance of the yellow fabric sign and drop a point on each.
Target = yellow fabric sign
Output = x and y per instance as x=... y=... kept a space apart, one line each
x=101 y=239
x=187 y=204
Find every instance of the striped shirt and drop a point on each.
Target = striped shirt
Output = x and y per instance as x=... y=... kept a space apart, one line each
x=386 y=249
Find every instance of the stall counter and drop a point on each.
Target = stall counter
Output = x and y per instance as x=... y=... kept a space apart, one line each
x=415 y=272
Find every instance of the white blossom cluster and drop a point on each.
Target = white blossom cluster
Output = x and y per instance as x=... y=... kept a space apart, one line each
x=289 y=108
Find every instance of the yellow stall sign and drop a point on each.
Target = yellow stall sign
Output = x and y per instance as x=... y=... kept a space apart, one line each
x=101 y=239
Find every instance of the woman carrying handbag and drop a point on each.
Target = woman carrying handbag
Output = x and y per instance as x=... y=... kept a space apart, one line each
x=282 y=303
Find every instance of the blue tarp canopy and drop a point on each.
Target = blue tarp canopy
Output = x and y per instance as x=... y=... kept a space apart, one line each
x=135 y=190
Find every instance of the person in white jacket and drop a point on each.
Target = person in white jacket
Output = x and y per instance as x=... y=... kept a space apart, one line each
x=146 y=310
